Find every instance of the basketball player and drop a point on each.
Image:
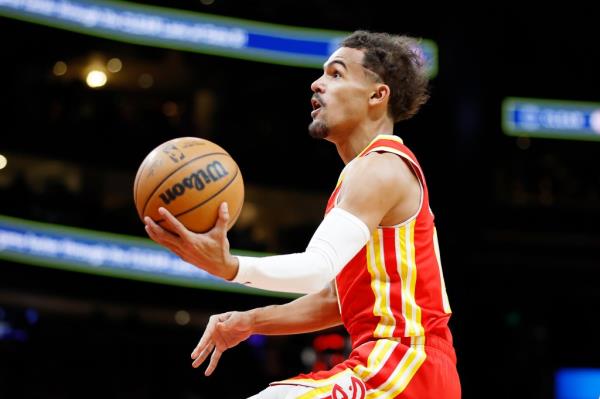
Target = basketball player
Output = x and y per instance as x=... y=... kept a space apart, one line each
x=373 y=263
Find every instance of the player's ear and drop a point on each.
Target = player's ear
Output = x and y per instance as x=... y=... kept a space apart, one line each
x=380 y=94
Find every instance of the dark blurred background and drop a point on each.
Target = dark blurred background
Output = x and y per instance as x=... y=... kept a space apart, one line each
x=517 y=218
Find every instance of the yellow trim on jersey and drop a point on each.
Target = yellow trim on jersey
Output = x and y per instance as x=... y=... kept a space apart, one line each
x=312 y=383
x=404 y=275
x=380 y=285
x=381 y=137
x=390 y=137
x=420 y=330
x=378 y=357
x=340 y=180
x=316 y=392
x=403 y=373
x=407 y=268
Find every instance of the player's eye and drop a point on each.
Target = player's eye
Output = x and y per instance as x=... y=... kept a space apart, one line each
x=336 y=74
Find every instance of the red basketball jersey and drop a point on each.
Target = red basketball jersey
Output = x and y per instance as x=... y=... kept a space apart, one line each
x=394 y=287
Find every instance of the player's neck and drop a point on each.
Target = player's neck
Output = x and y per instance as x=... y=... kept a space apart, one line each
x=359 y=139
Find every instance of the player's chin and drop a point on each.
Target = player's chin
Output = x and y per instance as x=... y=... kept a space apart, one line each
x=318 y=129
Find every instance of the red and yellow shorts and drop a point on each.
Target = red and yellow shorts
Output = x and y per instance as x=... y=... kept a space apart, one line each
x=406 y=368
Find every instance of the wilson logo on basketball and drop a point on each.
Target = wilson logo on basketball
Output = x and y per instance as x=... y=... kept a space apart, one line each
x=198 y=180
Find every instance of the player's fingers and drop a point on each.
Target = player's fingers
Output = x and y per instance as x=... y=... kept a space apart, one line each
x=202 y=355
x=172 y=222
x=214 y=360
x=159 y=234
x=206 y=338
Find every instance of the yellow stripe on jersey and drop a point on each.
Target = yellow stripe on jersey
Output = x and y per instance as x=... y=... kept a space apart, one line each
x=407 y=268
x=380 y=284
x=387 y=322
x=401 y=376
x=419 y=330
x=378 y=357
x=391 y=137
x=339 y=181
x=381 y=137
x=317 y=392
x=387 y=137
x=436 y=247
x=404 y=275
x=309 y=382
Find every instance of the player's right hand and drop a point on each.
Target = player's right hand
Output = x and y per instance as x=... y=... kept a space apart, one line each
x=208 y=251
x=222 y=332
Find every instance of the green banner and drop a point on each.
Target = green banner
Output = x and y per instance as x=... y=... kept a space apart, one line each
x=190 y=31
x=555 y=119
x=107 y=254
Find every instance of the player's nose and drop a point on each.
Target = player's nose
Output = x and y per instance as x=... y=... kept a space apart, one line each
x=317 y=86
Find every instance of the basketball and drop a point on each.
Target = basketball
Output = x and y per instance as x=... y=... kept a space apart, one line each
x=190 y=177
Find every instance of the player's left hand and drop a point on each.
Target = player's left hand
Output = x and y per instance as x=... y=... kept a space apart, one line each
x=208 y=251
x=223 y=331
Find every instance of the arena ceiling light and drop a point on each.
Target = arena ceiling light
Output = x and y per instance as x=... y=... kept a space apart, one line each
x=95 y=79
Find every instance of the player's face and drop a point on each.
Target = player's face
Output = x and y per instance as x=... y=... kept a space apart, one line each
x=341 y=94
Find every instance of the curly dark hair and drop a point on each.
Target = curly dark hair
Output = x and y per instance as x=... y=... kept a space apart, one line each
x=394 y=59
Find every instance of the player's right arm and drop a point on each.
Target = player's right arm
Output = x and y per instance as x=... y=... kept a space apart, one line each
x=380 y=188
x=309 y=313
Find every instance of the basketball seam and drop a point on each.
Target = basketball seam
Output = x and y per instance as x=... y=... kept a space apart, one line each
x=173 y=172
x=136 y=184
x=208 y=199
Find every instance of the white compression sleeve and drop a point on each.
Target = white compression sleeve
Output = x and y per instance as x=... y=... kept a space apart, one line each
x=337 y=240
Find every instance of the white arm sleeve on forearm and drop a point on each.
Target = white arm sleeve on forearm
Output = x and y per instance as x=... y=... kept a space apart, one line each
x=337 y=240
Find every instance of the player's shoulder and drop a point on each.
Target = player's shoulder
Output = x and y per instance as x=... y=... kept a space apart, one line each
x=382 y=169
x=385 y=165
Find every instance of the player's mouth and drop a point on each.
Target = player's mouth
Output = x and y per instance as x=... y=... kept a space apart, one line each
x=316 y=105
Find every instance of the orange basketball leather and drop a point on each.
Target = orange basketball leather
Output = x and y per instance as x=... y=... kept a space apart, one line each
x=190 y=177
